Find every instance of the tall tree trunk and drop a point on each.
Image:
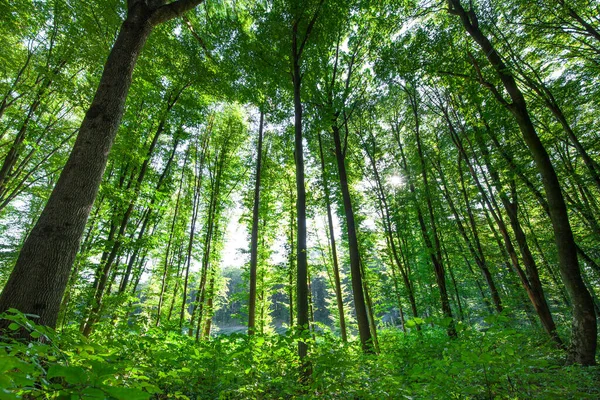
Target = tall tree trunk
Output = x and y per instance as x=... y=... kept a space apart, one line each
x=209 y=308
x=432 y=241
x=534 y=292
x=533 y=279
x=292 y=260
x=41 y=273
x=474 y=248
x=483 y=265
x=177 y=281
x=198 y=176
x=38 y=281
x=387 y=223
x=584 y=328
x=301 y=256
x=254 y=234
x=147 y=217
x=370 y=313
x=336 y=268
x=360 y=307
x=514 y=168
x=163 y=284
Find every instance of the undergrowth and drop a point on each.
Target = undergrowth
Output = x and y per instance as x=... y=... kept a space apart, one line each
x=133 y=363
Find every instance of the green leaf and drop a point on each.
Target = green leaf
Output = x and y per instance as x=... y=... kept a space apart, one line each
x=73 y=375
x=14 y=326
x=121 y=393
x=92 y=393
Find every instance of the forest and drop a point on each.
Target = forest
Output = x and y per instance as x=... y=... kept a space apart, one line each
x=299 y=199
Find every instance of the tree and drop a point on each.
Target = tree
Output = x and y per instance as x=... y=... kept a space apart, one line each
x=40 y=275
x=254 y=238
x=584 y=329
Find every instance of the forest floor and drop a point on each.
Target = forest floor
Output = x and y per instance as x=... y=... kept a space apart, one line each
x=132 y=362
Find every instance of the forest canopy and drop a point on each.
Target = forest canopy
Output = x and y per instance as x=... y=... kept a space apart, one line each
x=344 y=199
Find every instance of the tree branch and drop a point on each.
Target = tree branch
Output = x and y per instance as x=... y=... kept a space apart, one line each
x=173 y=10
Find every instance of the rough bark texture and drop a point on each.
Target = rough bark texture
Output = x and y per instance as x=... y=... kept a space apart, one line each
x=42 y=270
x=38 y=280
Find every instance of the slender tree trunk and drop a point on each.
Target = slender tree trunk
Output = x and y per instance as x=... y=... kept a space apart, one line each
x=483 y=265
x=533 y=279
x=177 y=282
x=370 y=313
x=534 y=292
x=209 y=308
x=254 y=234
x=301 y=256
x=114 y=253
x=6 y=103
x=211 y=232
x=360 y=307
x=292 y=259
x=6 y=170
x=147 y=218
x=198 y=176
x=336 y=269
x=432 y=241
x=514 y=168
x=163 y=284
x=475 y=249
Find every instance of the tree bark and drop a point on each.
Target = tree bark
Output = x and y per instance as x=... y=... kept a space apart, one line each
x=254 y=234
x=38 y=280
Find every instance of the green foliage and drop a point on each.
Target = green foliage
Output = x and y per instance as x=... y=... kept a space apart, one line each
x=133 y=364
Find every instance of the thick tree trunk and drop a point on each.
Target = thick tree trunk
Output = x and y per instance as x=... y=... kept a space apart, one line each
x=38 y=280
x=254 y=234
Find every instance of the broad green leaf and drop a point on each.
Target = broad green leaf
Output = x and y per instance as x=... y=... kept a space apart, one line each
x=72 y=375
